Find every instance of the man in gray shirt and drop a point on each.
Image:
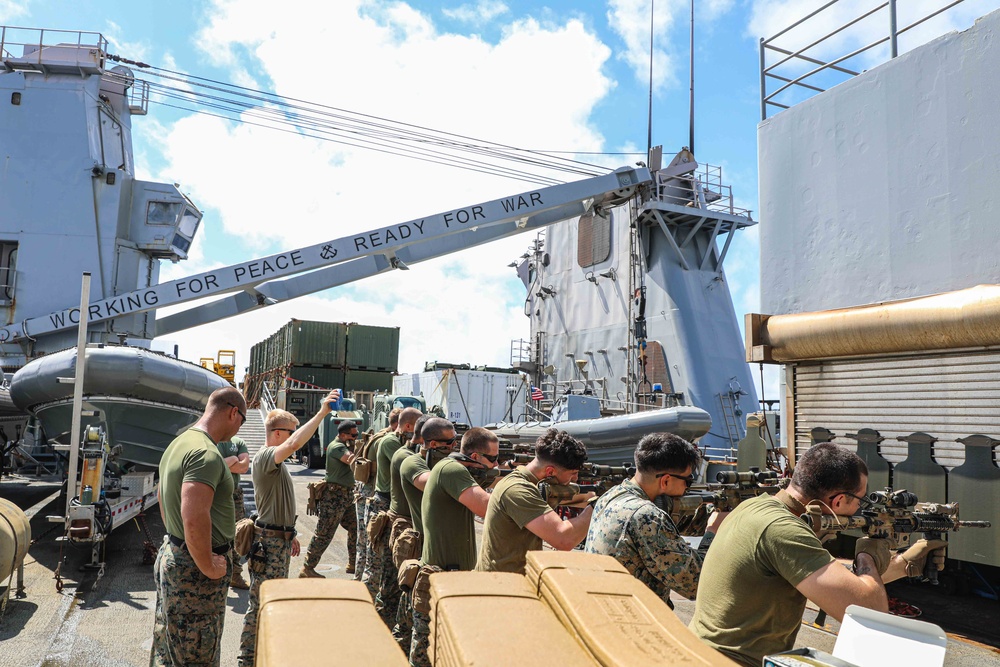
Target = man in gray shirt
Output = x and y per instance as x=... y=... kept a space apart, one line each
x=274 y=538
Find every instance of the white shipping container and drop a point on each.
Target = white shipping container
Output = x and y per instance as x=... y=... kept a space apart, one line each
x=471 y=397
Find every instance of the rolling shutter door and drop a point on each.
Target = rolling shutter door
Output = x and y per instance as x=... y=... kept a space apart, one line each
x=947 y=395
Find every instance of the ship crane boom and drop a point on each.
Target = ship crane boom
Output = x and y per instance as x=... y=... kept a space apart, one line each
x=268 y=280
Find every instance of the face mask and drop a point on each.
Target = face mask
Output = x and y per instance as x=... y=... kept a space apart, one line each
x=435 y=456
x=484 y=476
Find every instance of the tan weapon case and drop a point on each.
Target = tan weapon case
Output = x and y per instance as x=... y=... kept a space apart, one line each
x=286 y=603
x=495 y=619
x=616 y=618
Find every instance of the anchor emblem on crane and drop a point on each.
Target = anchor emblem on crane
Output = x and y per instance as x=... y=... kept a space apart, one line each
x=329 y=252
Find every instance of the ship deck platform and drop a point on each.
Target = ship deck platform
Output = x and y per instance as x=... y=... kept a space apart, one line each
x=107 y=620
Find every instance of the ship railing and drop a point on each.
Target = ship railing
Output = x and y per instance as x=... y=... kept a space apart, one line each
x=702 y=189
x=8 y=278
x=267 y=401
x=826 y=32
x=25 y=49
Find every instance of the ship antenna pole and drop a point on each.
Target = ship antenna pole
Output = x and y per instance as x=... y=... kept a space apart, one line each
x=649 y=123
x=691 y=95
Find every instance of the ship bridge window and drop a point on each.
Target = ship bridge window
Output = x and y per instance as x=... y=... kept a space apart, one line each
x=593 y=243
x=8 y=272
x=162 y=213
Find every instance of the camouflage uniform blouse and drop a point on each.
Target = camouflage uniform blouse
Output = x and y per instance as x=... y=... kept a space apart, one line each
x=643 y=538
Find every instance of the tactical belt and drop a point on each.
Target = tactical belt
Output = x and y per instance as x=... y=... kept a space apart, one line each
x=269 y=530
x=220 y=550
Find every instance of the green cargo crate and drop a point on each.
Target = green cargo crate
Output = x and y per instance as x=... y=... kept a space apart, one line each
x=325 y=378
x=362 y=380
x=373 y=348
x=314 y=343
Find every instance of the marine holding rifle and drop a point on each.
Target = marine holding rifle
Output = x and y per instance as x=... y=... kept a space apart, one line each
x=767 y=561
x=628 y=525
x=518 y=519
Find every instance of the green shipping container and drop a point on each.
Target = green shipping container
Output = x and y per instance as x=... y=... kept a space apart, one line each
x=317 y=343
x=372 y=348
x=361 y=380
x=325 y=378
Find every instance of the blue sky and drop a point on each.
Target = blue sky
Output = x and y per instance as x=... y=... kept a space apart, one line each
x=567 y=76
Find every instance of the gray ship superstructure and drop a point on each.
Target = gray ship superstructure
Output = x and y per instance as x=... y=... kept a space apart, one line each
x=72 y=204
x=631 y=305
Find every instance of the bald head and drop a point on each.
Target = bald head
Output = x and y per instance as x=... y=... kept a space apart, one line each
x=408 y=419
x=226 y=399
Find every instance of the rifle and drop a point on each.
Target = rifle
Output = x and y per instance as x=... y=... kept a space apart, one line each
x=690 y=511
x=601 y=477
x=896 y=516
x=565 y=494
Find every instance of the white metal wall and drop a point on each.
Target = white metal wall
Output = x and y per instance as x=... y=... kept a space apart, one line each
x=947 y=395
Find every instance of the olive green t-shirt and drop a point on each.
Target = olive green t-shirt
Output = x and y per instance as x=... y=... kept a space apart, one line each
x=234 y=447
x=411 y=468
x=397 y=500
x=272 y=490
x=449 y=528
x=387 y=446
x=514 y=503
x=338 y=472
x=193 y=457
x=747 y=604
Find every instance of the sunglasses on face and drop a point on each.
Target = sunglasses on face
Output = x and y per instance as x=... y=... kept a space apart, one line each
x=243 y=415
x=492 y=458
x=687 y=479
x=450 y=441
x=286 y=430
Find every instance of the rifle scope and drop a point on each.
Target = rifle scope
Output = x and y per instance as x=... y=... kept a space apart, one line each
x=754 y=476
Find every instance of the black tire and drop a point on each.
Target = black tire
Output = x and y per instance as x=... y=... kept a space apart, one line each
x=315 y=456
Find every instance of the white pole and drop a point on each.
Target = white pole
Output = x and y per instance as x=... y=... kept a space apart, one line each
x=81 y=362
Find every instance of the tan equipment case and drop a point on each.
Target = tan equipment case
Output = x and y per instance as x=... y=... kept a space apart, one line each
x=284 y=603
x=469 y=609
x=618 y=619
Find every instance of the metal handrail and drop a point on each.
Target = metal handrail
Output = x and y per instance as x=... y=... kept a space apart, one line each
x=767 y=99
x=266 y=399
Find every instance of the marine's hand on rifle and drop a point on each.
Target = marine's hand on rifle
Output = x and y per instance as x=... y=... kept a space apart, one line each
x=878 y=549
x=916 y=556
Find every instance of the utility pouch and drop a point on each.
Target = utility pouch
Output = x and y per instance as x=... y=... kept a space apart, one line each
x=408 y=574
x=422 y=588
x=376 y=525
x=316 y=491
x=362 y=469
x=407 y=546
x=244 y=537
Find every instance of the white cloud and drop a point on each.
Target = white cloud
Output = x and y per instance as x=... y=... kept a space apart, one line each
x=12 y=9
x=138 y=50
x=534 y=87
x=477 y=14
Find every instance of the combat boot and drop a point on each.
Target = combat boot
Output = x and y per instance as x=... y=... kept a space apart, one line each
x=308 y=572
x=237 y=581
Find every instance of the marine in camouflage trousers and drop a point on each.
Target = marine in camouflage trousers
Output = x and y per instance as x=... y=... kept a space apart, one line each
x=421 y=640
x=269 y=559
x=362 y=492
x=373 y=565
x=335 y=508
x=403 y=631
x=190 y=609
x=241 y=513
x=387 y=598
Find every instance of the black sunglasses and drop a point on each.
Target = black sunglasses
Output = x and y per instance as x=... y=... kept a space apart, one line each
x=863 y=502
x=449 y=441
x=286 y=430
x=688 y=480
x=492 y=458
x=243 y=415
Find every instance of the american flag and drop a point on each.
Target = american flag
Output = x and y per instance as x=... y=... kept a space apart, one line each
x=536 y=394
